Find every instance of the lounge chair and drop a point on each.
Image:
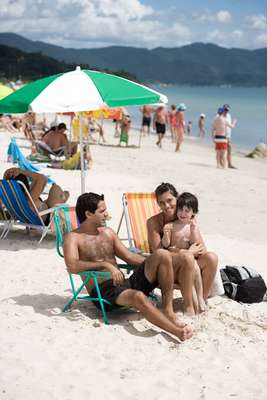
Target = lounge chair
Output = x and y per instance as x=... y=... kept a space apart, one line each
x=65 y=221
x=137 y=208
x=4 y=221
x=17 y=205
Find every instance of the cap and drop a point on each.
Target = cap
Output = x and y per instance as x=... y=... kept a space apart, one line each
x=203 y=115
x=181 y=107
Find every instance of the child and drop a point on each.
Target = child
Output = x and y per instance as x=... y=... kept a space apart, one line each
x=125 y=127
x=184 y=234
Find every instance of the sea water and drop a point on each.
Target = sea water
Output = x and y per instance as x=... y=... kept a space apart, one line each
x=248 y=106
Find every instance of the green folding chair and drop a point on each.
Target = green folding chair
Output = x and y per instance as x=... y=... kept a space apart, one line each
x=66 y=221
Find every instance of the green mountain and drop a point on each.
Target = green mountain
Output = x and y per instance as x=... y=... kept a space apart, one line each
x=195 y=64
x=16 y=64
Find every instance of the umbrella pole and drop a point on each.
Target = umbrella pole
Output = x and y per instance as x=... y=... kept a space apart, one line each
x=82 y=154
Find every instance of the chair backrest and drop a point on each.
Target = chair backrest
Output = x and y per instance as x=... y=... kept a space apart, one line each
x=140 y=207
x=65 y=221
x=17 y=204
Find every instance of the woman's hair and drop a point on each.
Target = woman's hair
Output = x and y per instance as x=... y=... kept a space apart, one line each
x=165 y=187
x=23 y=178
x=187 y=200
x=87 y=202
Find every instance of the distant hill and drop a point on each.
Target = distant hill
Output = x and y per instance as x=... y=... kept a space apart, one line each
x=16 y=64
x=195 y=64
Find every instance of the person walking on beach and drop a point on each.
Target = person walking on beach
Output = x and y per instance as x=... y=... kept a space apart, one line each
x=201 y=126
x=228 y=117
x=160 y=121
x=180 y=126
x=172 y=122
x=146 y=119
x=93 y=246
x=219 y=126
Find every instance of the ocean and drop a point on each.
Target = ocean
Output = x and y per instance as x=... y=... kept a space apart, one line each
x=248 y=106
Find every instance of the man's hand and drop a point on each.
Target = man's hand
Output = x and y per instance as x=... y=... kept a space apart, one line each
x=197 y=249
x=116 y=275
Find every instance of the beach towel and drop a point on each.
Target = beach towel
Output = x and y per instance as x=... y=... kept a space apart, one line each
x=16 y=156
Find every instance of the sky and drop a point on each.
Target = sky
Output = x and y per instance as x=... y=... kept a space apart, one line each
x=138 y=23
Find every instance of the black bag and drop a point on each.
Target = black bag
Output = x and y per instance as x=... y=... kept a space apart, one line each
x=243 y=284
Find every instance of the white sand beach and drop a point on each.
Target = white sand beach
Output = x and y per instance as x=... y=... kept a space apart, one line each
x=50 y=355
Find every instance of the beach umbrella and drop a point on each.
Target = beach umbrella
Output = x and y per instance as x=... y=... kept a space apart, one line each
x=4 y=91
x=78 y=90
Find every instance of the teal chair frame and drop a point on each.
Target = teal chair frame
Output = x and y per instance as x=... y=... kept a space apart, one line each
x=65 y=221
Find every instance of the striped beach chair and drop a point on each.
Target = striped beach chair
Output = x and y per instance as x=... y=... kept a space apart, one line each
x=137 y=208
x=17 y=204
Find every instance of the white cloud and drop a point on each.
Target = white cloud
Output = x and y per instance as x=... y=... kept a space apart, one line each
x=222 y=17
x=91 y=23
x=262 y=39
x=226 y=39
x=257 y=21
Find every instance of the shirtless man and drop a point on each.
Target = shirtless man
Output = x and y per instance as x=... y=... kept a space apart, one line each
x=146 y=121
x=94 y=247
x=57 y=140
x=184 y=261
x=160 y=120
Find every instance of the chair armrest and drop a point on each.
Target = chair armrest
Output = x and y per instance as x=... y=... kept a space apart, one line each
x=52 y=209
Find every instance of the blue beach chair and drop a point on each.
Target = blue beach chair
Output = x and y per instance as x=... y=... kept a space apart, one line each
x=17 y=205
x=66 y=221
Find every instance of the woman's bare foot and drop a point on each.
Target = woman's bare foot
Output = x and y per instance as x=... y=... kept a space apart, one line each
x=202 y=306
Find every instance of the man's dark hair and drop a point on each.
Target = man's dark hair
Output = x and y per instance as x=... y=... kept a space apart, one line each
x=165 y=187
x=187 y=200
x=61 y=126
x=87 y=202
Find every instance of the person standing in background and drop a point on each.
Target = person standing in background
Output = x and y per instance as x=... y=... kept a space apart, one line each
x=172 y=122
x=146 y=120
x=160 y=121
x=189 y=128
x=219 y=126
x=201 y=126
x=228 y=117
x=180 y=126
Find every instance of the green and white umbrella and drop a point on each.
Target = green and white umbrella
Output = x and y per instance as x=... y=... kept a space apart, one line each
x=77 y=91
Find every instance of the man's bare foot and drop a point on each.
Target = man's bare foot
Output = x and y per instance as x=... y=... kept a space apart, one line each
x=184 y=333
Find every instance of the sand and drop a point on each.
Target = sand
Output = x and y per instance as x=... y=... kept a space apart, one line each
x=51 y=355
